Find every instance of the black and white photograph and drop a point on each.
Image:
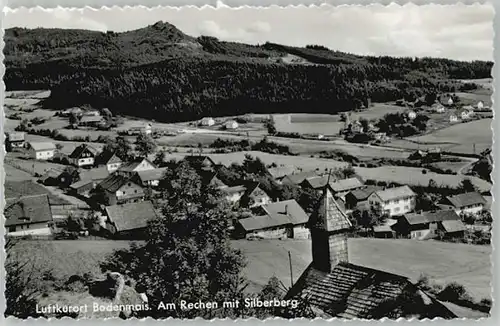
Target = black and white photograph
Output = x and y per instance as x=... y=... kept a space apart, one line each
x=293 y=162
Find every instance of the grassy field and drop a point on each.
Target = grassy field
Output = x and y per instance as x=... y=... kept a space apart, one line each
x=325 y=124
x=414 y=177
x=442 y=262
x=15 y=189
x=66 y=257
x=461 y=137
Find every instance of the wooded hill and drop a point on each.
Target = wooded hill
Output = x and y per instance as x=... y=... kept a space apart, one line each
x=161 y=73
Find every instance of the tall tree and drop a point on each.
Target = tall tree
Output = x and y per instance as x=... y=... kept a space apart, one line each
x=145 y=144
x=188 y=255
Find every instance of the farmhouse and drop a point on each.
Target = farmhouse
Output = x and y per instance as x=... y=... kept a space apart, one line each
x=464 y=115
x=82 y=156
x=15 y=140
x=231 y=124
x=438 y=108
x=207 y=121
x=340 y=188
x=201 y=162
x=277 y=221
x=336 y=288
x=393 y=201
x=41 y=150
x=50 y=177
x=149 y=178
x=27 y=215
x=480 y=105
x=95 y=174
x=450 y=101
x=254 y=196
x=82 y=187
x=358 y=198
x=110 y=159
x=118 y=189
x=211 y=178
x=468 y=203
x=129 y=221
x=453 y=118
x=411 y=115
x=136 y=165
x=68 y=112
x=234 y=194
x=429 y=225
x=278 y=173
x=91 y=121
x=298 y=178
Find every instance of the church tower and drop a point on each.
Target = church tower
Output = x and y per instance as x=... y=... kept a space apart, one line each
x=329 y=226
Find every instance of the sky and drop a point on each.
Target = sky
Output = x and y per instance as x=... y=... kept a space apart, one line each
x=462 y=32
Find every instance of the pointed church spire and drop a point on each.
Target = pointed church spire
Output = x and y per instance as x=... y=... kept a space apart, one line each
x=329 y=226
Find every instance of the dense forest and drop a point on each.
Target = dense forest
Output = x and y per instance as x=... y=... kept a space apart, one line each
x=161 y=73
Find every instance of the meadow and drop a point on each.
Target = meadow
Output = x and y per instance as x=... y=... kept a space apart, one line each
x=442 y=262
x=461 y=138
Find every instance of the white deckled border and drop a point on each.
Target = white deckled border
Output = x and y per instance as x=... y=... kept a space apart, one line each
x=261 y=4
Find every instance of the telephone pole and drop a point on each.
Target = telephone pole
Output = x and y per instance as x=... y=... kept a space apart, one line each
x=291 y=271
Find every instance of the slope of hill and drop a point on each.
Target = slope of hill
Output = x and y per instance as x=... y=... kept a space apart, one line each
x=172 y=76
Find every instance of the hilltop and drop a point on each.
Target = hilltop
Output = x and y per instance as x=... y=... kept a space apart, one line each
x=172 y=76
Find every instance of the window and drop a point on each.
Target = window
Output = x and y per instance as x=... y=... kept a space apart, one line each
x=396 y=209
x=407 y=207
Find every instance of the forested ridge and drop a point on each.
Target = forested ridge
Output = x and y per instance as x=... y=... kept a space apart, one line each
x=161 y=73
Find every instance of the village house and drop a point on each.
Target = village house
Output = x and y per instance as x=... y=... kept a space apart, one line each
x=334 y=287
x=411 y=115
x=211 y=178
x=200 y=162
x=129 y=221
x=480 y=105
x=464 y=115
x=438 y=108
x=234 y=194
x=110 y=159
x=207 y=122
x=393 y=201
x=88 y=180
x=91 y=113
x=15 y=140
x=467 y=203
x=119 y=189
x=430 y=225
x=279 y=220
x=297 y=178
x=61 y=177
x=136 y=165
x=356 y=127
x=231 y=125
x=280 y=172
x=146 y=129
x=82 y=156
x=449 y=102
x=91 y=121
x=50 y=177
x=358 y=198
x=41 y=150
x=149 y=178
x=27 y=215
x=68 y=112
x=254 y=196
x=341 y=187
x=453 y=118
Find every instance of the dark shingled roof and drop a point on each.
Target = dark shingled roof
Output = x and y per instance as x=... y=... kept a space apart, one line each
x=27 y=210
x=79 y=150
x=198 y=161
x=430 y=217
x=95 y=174
x=395 y=193
x=364 y=193
x=114 y=182
x=298 y=178
x=329 y=216
x=352 y=291
x=131 y=216
x=108 y=157
x=469 y=198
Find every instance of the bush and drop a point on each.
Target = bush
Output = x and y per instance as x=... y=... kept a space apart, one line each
x=452 y=292
x=424 y=171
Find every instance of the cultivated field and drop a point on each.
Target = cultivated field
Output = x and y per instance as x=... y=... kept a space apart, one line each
x=414 y=177
x=325 y=124
x=442 y=262
x=461 y=137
